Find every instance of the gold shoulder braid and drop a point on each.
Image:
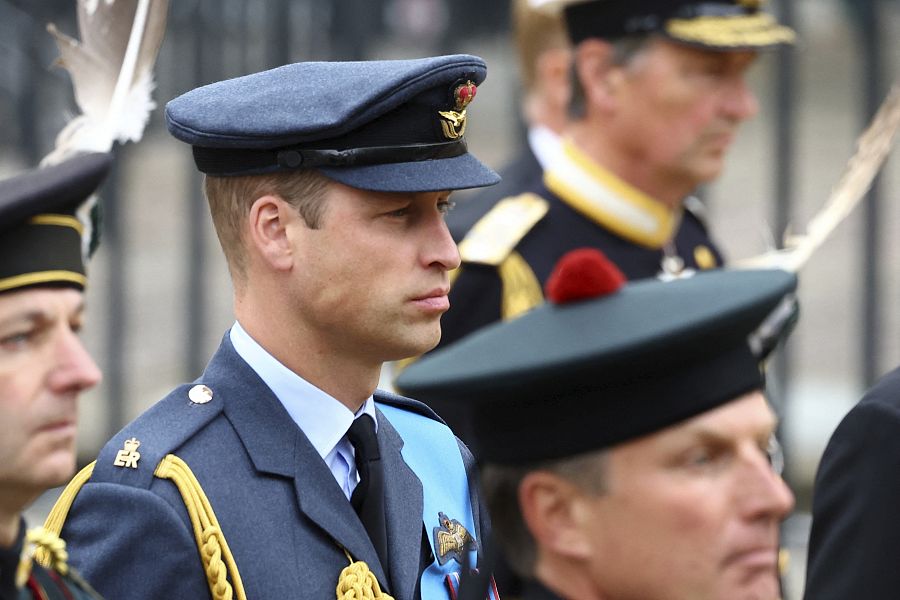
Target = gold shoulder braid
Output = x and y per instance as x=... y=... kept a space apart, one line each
x=356 y=582
x=492 y=241
x=521 y=288
x=218 y=562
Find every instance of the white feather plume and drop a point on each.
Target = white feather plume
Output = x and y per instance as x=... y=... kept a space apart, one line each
x=112 y=73
x=873 y=148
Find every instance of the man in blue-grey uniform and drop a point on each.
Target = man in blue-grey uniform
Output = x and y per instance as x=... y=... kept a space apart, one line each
x=44 y=367
x=281 y=472
x=659 y=92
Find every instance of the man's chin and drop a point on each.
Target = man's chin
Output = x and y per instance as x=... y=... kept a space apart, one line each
x=761 y=586
x=413 y=348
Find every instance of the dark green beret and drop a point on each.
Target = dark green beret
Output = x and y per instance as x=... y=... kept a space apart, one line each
x=569 y=378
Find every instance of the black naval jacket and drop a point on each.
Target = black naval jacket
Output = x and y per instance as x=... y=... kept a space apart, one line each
x=476 y=294
x=854 y=545
x=43 y=584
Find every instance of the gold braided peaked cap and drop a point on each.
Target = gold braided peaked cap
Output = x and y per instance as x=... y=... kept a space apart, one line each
x=713 y=24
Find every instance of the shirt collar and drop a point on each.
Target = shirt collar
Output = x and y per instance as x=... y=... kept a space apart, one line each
x=546 y=145
x=610 y=201
x=322 y=417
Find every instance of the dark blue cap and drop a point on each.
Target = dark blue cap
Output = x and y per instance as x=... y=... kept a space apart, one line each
x=394 y=125
x=40 y=233
x=569 y=378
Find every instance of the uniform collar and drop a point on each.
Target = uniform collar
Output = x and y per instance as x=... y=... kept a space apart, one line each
x=323 y=418
x=609 y=201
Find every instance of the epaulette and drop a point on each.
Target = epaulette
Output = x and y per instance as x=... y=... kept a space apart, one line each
x=133 y=454
x=497 y=233
x=407 y=404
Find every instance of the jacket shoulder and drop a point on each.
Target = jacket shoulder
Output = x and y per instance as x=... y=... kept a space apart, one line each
x=499 y=231
x=133 y=454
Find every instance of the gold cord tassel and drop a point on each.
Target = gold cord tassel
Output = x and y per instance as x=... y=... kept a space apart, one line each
x=356 y=582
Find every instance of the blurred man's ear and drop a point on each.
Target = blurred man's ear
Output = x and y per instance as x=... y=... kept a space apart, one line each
x=600 y=77
x=553 y=511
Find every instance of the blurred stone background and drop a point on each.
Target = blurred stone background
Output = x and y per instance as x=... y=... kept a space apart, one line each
x=159 y=299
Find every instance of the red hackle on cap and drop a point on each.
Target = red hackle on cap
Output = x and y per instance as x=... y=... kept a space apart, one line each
x=581 y=274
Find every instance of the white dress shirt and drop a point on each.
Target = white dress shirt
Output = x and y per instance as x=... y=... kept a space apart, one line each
x=322 y=418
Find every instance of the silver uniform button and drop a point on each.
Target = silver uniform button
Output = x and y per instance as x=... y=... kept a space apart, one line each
x=200 y=394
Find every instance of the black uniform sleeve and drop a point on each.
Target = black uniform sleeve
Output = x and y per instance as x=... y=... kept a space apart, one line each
x=474 y=302
x=854 y=549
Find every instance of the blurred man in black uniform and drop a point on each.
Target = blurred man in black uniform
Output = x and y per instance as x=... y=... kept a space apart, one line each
x=659 y=94
x=627 y=445
x=43 y=365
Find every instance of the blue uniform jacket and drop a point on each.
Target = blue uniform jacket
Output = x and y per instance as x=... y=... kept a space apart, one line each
x=283 y=514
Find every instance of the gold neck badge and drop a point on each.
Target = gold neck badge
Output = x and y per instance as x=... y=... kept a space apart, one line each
x=454 y=121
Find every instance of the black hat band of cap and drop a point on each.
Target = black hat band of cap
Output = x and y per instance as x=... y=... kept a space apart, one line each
x=44 y=251
x=226 y=161
x=601 y=415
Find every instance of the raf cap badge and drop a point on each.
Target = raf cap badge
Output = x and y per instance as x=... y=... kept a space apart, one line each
x=454 y=123
x=128 y=456
x=451 y=539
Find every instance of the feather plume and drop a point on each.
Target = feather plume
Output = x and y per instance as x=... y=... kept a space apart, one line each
x=112 y=73
x=873 y=147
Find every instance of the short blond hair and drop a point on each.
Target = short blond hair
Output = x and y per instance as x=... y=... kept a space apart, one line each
x=535 y=32
x=230 y=199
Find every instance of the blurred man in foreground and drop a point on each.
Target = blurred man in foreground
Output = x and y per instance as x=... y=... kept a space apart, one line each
x=627 y=442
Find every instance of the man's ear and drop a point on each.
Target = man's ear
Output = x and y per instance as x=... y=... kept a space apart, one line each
x=551 y=508
x=267 y=231
x=600 y=77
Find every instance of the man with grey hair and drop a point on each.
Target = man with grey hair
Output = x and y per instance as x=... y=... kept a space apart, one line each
x=627 y=444
x=660 y=91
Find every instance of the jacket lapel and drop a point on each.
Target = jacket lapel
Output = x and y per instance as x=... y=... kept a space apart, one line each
x=277 y=446
x=403 y=508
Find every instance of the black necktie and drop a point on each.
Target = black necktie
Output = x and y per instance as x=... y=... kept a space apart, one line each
x=368 y=496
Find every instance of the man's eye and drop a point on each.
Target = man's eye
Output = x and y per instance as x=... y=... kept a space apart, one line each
x=699 y=457
x=706 y=458
x=446 y=206
x=400 y=212
x=16 y=341
x=775 y=454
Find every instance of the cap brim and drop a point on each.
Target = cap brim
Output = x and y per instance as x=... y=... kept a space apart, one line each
x=732 y=32
x=456 y=173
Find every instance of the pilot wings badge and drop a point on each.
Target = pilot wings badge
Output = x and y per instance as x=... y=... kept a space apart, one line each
x=451 y=540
